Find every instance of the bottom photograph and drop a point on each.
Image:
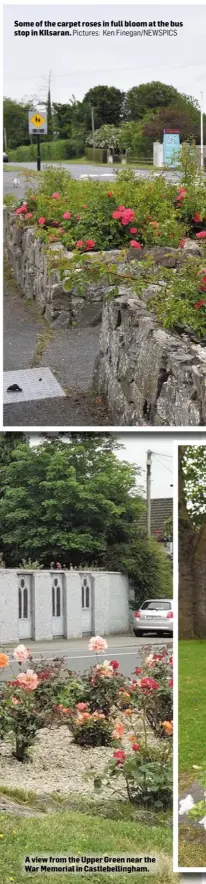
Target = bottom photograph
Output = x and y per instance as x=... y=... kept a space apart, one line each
x=192 y=658
x=86 y=629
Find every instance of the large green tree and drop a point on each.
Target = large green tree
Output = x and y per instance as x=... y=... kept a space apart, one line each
x=192 y=541
x=147 y=96
x=107 y=102
x=15 y=116
x=70 y=501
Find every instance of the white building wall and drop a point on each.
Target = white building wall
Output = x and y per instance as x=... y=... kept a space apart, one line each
x=8 y=606
x=73 y=605
x=109 y=604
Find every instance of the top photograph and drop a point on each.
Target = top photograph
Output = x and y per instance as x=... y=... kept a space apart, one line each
x=104 y=210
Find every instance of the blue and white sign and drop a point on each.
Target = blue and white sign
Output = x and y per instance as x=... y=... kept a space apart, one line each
x=171 y=146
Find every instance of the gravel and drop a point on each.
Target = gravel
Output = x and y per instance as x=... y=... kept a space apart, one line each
x=56 y=765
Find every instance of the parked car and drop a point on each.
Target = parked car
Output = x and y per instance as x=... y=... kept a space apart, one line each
x=154 y=615
x=5 y=158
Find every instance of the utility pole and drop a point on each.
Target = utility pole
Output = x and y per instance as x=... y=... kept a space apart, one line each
x=5 y=140
x=149 y=470
x=201 y=134
x=93 y=129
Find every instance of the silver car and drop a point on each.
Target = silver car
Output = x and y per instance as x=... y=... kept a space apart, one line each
x=154 y=615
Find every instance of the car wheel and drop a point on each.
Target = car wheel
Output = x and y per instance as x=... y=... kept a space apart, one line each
x=138 y=632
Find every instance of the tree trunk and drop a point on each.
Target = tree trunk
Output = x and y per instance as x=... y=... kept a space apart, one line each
x=186 y=550
x=199 y=572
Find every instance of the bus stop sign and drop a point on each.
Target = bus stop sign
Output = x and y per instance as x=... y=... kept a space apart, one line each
x=171 y=146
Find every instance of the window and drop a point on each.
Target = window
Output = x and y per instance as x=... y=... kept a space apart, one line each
x=56 y=598
x=85 y=594
x=23 y=594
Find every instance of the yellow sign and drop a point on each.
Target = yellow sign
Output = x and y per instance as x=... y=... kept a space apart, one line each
x=37 y=120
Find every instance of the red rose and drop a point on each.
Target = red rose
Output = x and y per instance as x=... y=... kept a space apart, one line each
x=117 y=215
x=149 y=684
x=28 y=216
x=67 y=216
x=41 y=221
x=55 y=196
x=79 y=244
x=114 y=664
x=110 y=193
x=138 y=670
x=21 y=210
x=133 y=230
x=199 y=304
x=90 y=243
x=135 y=244
x=201 y=235
x=136 y=747
x=196 y=218
x=120 y=756
x=171 y=683
x=182 y=243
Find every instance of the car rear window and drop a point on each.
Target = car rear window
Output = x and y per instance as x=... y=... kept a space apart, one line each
x=156 y=606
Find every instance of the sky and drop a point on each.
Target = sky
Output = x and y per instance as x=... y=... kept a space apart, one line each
x=134 y=450
x=78 y=63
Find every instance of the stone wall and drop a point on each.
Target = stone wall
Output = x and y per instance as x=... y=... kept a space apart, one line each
x=26 y=255
x=147 y=375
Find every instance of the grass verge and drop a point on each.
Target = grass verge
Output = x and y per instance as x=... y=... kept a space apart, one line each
x=192 y=710
x=77 y=834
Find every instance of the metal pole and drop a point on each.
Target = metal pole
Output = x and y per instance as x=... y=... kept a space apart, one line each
x=38 y=154
x=201 y=134
x=93 y=129
x=149 y=467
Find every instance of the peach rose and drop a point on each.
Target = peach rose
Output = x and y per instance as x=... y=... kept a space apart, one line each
x=28 y=680
x=4 y=660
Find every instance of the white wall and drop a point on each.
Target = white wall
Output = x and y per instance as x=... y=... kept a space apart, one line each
x=109 y=604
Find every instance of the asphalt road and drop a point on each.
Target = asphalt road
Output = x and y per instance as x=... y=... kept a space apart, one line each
x=126 y=649
x=83 y=171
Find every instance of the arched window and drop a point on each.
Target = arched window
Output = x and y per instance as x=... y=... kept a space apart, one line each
x=25 y=603
x=20 y=604
x=58 y=601
x=87 y=596
x=56 y=598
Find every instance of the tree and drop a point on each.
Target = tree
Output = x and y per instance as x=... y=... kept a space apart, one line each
x=192 y=541
x=106 y=136
x=107 y=102
x=147 y=565
x=141 y=98
x=9 y=442
x=16 y=122
x=72 y=501
x=172 y=117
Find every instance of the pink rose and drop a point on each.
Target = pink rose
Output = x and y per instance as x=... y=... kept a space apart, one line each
x=67 y=216
x=21 y=654
x=97 y=644
x=55 y=196
x=135 y=244
x=41 y=221
x=28 y=680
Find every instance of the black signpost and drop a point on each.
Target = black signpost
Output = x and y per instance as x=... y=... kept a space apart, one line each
x=38 y=127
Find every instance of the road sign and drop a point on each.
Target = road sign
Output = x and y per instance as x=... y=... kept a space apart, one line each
x=37 y=122
x=171 y=146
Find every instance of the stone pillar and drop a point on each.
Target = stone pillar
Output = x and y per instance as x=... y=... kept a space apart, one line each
x=9 y=620
x=73 y=605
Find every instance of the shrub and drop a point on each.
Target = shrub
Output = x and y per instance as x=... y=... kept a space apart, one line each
x=90 y=729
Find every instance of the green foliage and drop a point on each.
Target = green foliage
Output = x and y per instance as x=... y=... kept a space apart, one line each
x=16 y=122
x=194 y=478
x=91 y=732
x=147 y=565
x=72 y=500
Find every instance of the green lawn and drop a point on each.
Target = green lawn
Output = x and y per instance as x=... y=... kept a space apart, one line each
x=78 y=833
x=192 y=728
x=192 y=709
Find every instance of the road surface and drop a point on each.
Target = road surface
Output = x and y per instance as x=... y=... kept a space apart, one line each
x=81 y=170
x=126 y=649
